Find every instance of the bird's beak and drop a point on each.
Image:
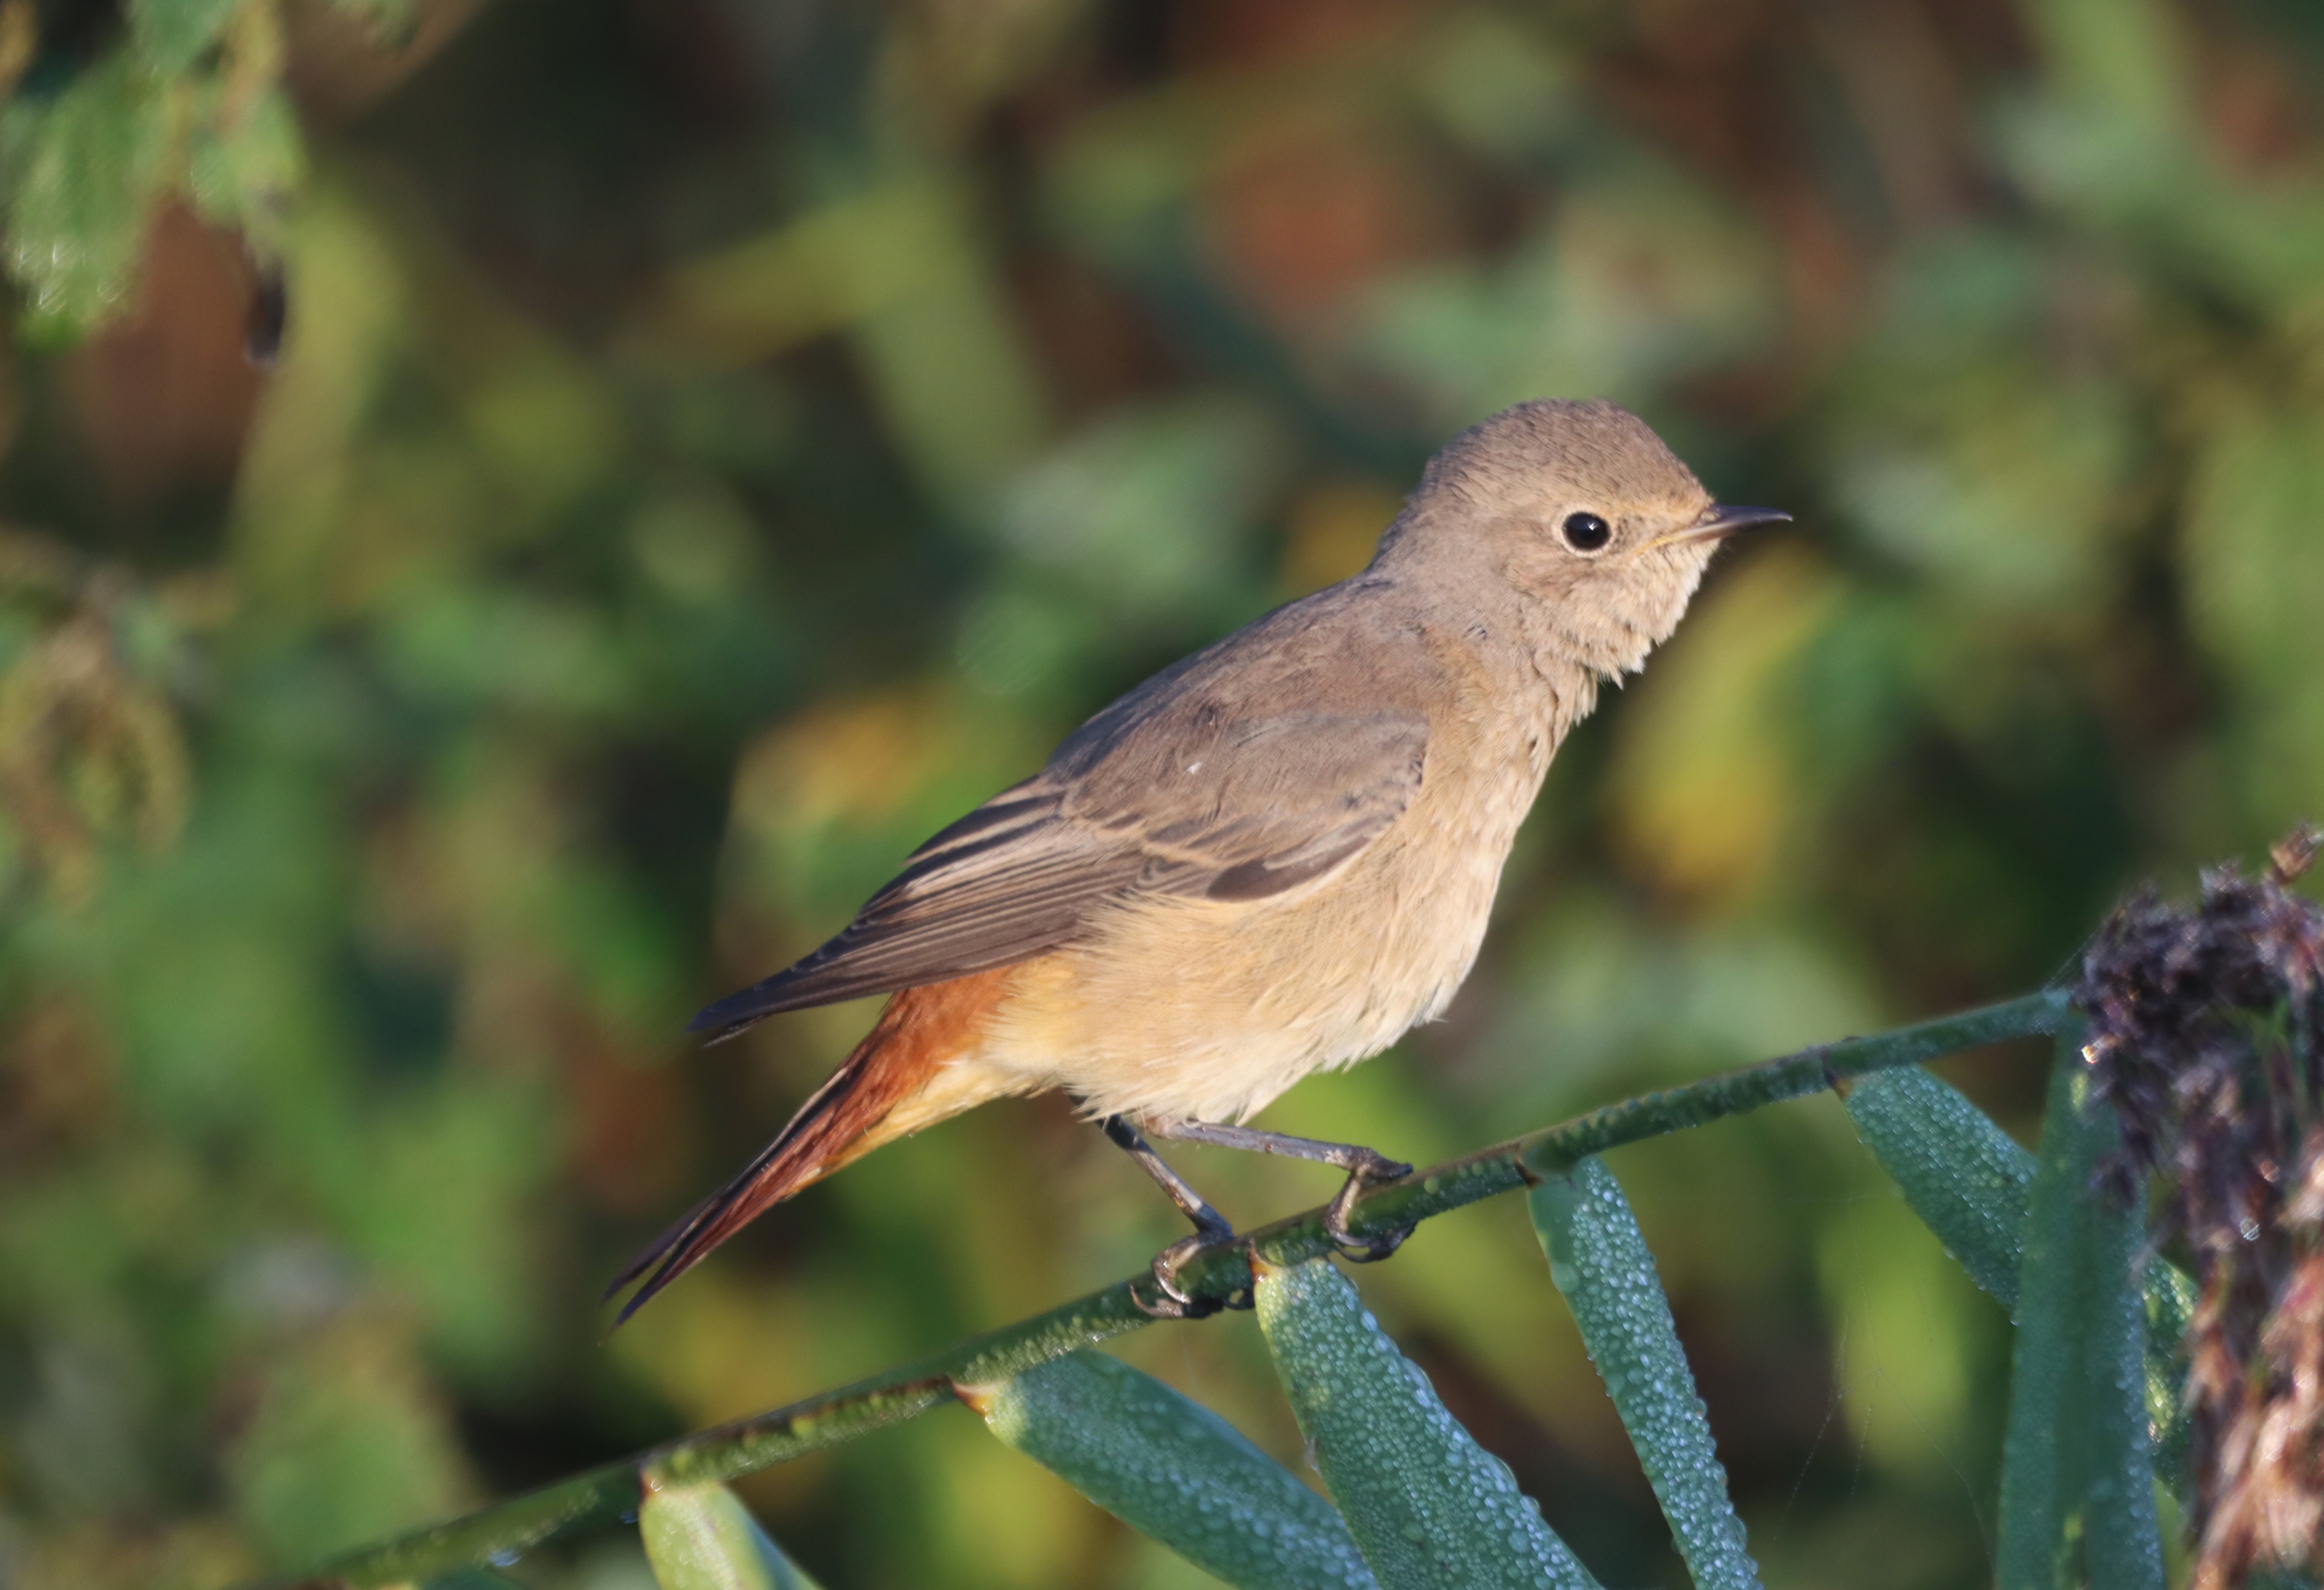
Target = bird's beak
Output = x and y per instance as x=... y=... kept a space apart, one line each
x=1718 y=521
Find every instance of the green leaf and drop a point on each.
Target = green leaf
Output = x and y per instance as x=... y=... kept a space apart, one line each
x=2076 y=1483
x=1171 y=1468
x=701 y=1538
x=1427 y=1505
x=1599 y=1261
x=240 y=175
x=2123 y=57
x=2170 y=1296
x=1148 y=511
x=1966 y=1180
x=1964 y=1176
x=86 y=166
x=172 y=35
x=348 y=1441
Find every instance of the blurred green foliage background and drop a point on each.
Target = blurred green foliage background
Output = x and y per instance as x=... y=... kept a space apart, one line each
x=719 y=440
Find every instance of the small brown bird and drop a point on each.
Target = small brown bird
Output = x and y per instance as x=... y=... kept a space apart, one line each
x=1271 y=858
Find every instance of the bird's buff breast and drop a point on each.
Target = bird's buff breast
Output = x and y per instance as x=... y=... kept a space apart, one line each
x=1196 y=1009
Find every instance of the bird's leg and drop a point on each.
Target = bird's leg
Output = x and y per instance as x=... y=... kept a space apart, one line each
x=1211 y=1229
x=1364 y=1167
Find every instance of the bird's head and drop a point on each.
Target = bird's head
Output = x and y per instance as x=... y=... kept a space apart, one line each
x=1580 y=511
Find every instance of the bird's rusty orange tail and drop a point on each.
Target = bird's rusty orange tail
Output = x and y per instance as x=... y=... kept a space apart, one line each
x=851 y=1114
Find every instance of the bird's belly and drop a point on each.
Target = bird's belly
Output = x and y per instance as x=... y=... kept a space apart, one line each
x=1206 y=1010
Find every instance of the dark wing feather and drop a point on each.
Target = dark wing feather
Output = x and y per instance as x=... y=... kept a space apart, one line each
x=1188 y=802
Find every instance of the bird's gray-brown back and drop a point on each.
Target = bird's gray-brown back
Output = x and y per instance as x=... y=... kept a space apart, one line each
x=1252 y=766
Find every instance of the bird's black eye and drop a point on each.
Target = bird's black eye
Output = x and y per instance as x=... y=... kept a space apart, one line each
x=1586 y=532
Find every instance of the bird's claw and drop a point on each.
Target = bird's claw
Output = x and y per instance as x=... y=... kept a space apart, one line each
x=1173 y=1301
x=1364 y=1250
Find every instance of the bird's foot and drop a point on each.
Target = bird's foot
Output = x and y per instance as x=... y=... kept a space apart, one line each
x=1174 y=1301
x=1364 y=1250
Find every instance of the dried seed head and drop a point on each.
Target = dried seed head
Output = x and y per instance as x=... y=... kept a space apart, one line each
x=2203 y=1030
x=2295 y=853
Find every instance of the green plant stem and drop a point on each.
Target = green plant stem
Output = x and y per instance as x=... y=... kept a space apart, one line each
x=610 y=1493
x=2076 y=1479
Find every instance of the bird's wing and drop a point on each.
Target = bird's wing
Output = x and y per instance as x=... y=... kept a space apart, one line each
x=1191 y=801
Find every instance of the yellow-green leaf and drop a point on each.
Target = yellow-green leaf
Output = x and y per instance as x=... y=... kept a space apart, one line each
x=702 y=1537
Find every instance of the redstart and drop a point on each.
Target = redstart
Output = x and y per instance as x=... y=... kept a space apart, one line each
x=1271 y=858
